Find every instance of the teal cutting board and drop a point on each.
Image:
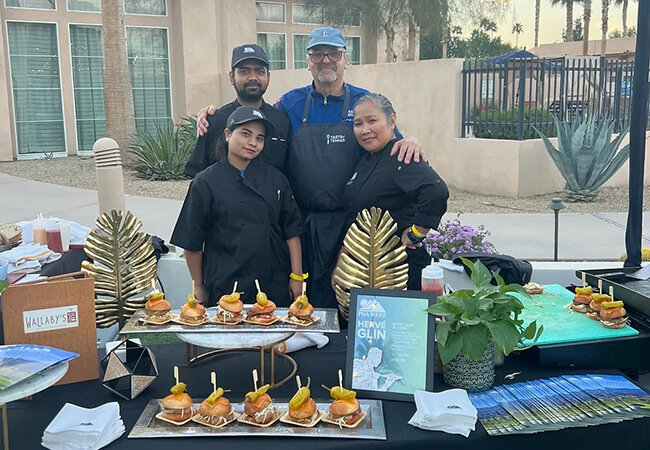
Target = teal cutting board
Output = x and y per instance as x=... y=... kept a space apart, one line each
x=562 y=324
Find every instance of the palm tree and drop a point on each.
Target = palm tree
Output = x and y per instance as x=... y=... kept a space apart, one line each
x=538 y=5
x=517 y=29
x=605 y=16
x=118 y=96
x=569 y=16
x=488 y=25
x=624 y=4
x=586 y=16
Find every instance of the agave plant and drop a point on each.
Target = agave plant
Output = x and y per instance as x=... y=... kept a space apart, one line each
x=163 y=156
x=586 y=155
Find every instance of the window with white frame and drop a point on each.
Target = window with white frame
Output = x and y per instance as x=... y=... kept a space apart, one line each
x=146 y=7
x=300 y=51
x=148 y=52
x=306 y=14
x=85 y=5
x=274 y=44
x=36 y=87
x=270 y=12
x=87 y=53
x=353 y=44
x=31 y=4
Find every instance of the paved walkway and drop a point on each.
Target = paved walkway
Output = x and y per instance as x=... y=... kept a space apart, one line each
x=528 y=236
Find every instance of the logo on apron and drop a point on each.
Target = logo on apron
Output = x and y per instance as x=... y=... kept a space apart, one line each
x=335 y=138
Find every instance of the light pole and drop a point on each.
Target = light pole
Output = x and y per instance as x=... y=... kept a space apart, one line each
x=556 y=206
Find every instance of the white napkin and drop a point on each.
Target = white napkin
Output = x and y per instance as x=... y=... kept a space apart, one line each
x=80 y=428
x=449 y=411
x=29 y=257
x=302 y=340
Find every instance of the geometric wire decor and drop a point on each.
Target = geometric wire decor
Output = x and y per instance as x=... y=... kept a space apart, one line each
x=128 y=369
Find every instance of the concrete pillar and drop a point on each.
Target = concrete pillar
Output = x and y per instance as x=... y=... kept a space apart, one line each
x=7 y=144
x=110 y=179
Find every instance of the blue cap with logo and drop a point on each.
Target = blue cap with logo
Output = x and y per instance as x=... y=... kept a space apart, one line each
x=326 y=36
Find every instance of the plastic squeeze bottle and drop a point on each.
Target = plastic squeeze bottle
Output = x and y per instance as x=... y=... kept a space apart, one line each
x=53 y=233
x=433 y=279
x=38 y=231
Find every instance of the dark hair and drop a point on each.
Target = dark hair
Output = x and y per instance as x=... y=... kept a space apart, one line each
x=380 y=102
x=221 y=146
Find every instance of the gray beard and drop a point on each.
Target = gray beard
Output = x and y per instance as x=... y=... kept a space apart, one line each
x=327 y=79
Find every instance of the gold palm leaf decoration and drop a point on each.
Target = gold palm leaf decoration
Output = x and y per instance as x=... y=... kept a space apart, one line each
x=124 y=265
x=374 y=257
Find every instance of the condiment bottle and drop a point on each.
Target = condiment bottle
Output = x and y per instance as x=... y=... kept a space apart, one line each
x=433 y=279
x=53 y=233
x=38 y=231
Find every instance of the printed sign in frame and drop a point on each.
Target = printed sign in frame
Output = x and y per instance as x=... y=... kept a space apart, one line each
x=390 y=351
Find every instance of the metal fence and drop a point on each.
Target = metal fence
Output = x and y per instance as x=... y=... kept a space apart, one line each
x=505 y=101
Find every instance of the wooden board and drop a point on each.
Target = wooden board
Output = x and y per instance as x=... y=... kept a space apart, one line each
x=562 y=324
x=58 y=313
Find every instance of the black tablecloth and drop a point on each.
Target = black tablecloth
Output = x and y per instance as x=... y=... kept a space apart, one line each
x=28 y=419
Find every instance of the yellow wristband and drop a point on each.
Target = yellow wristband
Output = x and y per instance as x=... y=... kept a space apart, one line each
x=303 y=277
x=415 y=232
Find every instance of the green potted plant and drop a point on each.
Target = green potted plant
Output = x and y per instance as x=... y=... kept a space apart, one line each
x=474 y=321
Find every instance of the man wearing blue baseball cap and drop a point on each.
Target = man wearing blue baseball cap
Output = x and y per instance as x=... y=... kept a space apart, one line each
x=322 y=155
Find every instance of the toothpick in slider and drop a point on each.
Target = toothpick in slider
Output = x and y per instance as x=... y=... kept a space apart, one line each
x=340 y=379
x=234 y=289
x=213 y=379
x=255 y=379
x=257 y=285
x=176 y=373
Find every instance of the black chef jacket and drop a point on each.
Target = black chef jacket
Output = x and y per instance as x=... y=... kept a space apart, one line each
x=275 y=148
x=413 y=194
x=241 y=225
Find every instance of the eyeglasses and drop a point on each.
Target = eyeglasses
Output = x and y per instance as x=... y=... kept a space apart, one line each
x=333 y=56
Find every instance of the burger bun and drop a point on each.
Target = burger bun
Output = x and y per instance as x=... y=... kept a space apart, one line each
x=220 y=408
x=304 y=312
x=234 y=307
x=258 y=405
x=615 y=313
x=177 y=401
x=342 y=408
x=269 y=308
x=305 y=411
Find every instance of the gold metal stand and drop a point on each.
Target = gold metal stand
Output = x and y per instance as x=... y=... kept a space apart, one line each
x=193 y=356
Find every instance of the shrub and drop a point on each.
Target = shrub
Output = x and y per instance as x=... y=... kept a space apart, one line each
x=504 y=124
x=163 y=156
x=453 y=238
x=645 y=255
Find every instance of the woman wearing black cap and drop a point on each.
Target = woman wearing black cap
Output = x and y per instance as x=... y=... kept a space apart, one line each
x=239 y=221
x=414 y=194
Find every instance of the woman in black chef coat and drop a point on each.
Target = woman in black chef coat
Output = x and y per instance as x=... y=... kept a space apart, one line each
x=413 y=193
x=239 y=220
